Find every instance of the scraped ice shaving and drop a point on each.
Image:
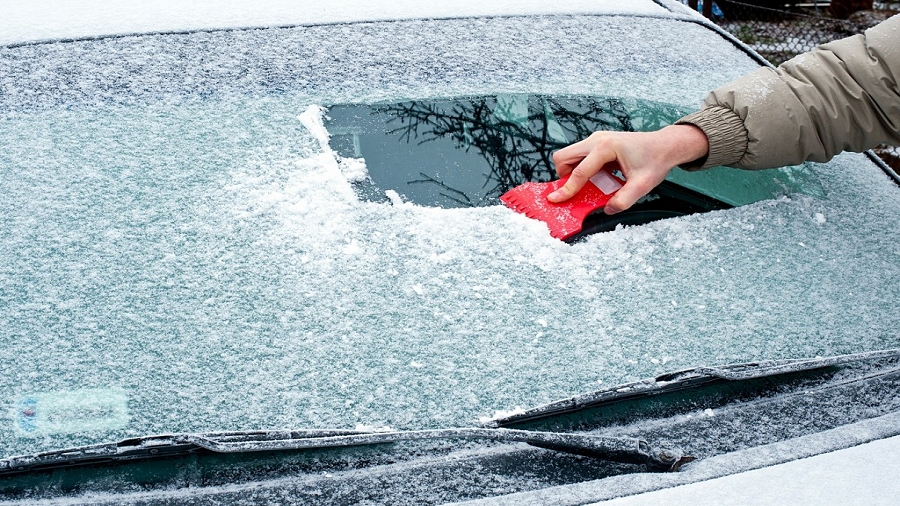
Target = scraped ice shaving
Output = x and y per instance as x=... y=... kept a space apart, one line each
x=354 y=169
x=313 y=119
x=500 y=414
x=395 y=198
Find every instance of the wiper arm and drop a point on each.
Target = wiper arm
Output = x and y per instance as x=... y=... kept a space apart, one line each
x=751 y=370
x=617 y=449
x=685 y=380
x=135 y=449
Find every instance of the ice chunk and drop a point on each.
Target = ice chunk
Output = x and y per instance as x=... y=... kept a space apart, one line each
x=312 y=119
x=354 y=169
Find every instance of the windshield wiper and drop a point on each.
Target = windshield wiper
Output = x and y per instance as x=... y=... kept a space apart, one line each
x=686 y=379
x=617 y=449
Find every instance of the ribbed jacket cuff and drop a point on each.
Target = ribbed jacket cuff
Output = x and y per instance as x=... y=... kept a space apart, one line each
x=727 y=135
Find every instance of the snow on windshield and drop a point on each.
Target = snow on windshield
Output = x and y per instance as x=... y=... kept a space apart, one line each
x=180 y=251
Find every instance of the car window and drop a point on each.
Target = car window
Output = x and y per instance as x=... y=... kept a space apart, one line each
x=182 y=250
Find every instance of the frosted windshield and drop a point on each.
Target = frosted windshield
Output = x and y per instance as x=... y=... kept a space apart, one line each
x=181 y=250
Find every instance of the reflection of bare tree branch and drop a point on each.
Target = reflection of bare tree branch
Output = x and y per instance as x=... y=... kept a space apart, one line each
x=464 y=200
x=516 y=151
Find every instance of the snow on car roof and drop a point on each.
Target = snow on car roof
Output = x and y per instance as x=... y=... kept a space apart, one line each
x=61 y=19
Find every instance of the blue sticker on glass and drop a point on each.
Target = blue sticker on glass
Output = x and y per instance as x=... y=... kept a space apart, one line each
x=27 y=415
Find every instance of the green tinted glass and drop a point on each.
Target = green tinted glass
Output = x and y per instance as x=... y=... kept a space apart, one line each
x=467 y=152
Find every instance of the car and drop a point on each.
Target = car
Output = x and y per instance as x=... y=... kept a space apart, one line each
x=262 y=259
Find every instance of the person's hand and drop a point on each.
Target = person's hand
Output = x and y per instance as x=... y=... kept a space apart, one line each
x=645 y=158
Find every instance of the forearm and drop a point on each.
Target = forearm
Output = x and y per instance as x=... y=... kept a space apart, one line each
x=681 y=144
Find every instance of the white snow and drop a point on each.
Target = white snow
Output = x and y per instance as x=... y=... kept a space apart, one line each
x=395 y=198
x=502 y=413
x=353 y=169
x=371 y=428
x=312 y=119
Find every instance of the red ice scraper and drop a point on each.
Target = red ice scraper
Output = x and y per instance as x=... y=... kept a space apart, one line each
x=565 y=219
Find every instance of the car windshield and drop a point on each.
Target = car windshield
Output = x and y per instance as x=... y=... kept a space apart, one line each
x=184 y=246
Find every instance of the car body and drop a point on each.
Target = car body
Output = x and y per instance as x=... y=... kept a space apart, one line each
x=201 y=277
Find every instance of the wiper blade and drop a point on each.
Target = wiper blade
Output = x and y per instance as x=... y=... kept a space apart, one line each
x=751 y=370
x=135 y=449
x=625 y=450
x=685 y=380
x=617 y=449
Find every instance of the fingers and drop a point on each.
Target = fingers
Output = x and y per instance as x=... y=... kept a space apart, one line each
x=624 y=198
x=567 y=158
x=644 y=157
x=634 y=188
x=600 y=155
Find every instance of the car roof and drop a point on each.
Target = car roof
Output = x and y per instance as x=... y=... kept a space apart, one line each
x=42 y=20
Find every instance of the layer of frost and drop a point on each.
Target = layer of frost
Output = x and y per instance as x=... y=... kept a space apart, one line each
x=170 y=229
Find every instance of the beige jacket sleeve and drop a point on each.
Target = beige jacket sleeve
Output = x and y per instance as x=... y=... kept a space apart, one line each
x=843 y=96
